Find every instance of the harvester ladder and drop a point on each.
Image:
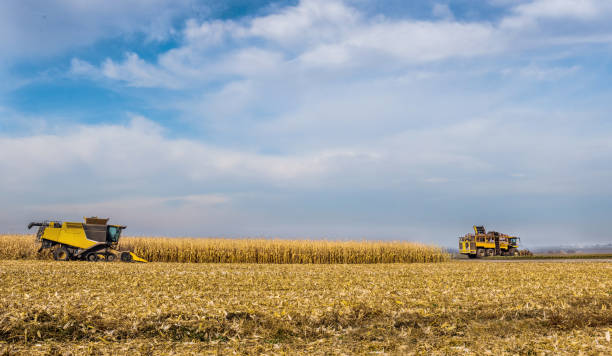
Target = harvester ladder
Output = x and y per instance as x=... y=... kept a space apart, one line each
x=497 y=248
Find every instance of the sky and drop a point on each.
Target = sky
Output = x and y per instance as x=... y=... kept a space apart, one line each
x=321 y=119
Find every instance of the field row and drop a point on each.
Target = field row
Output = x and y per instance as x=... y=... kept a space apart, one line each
x=213 y=250
x=443 y=308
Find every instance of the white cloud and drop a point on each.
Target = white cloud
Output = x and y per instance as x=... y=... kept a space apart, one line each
x=46 y=28
x=137 y=152
x=426 y=41
x=210 y=33
x=562 y=12
x=80 y=67
x=140 y=156
x=315 y=32
x=442 y=11
x=569 y=9
x=136 y=72
x=311 y=22
x=315 y=35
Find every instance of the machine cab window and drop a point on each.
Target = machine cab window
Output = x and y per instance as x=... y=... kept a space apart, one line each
x=113 y=233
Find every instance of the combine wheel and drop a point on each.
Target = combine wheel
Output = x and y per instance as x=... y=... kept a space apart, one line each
x=490 y=252
x=480 y=252
x=61 y=254
x=110 y=257
x=92 y=257
x=472 y=255
x=126 y=256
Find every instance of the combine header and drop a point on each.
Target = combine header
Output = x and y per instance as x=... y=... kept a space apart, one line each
x=492 y=243
x=93 y=240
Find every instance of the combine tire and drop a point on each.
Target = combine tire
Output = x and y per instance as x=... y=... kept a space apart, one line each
x=126 y=257
x=92 y=257
x=490 y=252
x=472 y=256
x=110 y=257
x=480 y=252
x=61 y=254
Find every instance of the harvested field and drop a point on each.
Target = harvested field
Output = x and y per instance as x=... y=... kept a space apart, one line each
x=214 y=250
x=443 y=308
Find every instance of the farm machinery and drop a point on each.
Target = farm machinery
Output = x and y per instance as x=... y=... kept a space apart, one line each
x=93 y=240
x=482 y=244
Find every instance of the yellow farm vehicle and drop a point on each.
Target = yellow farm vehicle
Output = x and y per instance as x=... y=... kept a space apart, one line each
x=482 y=244
x=93 y=240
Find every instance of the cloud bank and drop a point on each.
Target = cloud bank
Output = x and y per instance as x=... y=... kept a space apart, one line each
x=321 y=119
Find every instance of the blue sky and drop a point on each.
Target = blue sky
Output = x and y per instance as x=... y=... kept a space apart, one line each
x=394 y=120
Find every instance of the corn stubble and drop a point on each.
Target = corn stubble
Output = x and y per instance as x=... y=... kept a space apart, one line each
x=49 y=307
x=211 y=250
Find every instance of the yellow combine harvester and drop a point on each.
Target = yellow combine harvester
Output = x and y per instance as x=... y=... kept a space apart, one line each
x=93 y=240
x=492 y=243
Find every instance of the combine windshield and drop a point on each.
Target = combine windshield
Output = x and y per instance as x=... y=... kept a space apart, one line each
x=113 y=233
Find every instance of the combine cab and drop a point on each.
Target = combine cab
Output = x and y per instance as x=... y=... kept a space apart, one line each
x=492 y=243
x=93 y=240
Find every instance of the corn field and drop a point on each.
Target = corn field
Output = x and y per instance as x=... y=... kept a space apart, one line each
x=215 y=250
x=21 y=247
